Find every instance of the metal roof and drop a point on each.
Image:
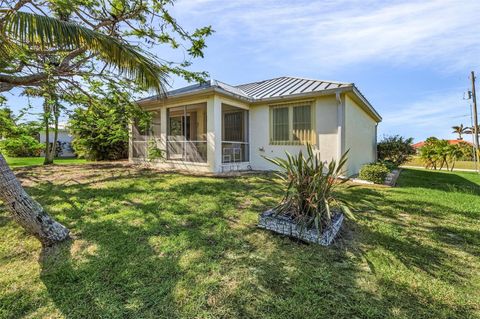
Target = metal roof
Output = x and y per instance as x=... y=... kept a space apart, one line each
x=271 y=89
x=284 y=86
x=277 y=87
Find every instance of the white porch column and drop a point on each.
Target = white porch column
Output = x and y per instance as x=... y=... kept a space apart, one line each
x=214 y=134
x=163 y=129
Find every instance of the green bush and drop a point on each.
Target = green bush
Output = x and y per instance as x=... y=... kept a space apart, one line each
x=310 y=186
x=100 y=131
x=395 y=149
x=389 y=164
x=374 y=172
x=21 y=146
x=155 y=153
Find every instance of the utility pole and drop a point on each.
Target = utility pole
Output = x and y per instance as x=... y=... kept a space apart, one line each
x=475 y=117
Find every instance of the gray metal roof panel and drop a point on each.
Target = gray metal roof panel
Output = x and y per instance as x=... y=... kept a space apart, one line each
x=271 y=88
x=282 y=86
x=267 y=90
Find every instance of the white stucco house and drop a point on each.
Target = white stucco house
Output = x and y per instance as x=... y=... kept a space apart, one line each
x=215 y=127
x=64 y=139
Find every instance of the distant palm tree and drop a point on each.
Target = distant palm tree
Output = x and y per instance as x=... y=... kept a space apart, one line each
x=470 y=130
x=460 y=130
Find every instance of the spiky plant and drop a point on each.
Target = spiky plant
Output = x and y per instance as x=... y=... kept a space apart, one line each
x=310 y=198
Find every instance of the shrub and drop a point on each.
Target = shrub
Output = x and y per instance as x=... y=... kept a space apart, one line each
x=437 y=153
x=374 y=172
x=21 y=146
x=155 y=153
x=467 y=151
x=395 y=149
x=100 y=131
x=310 y=188
x=389 y=164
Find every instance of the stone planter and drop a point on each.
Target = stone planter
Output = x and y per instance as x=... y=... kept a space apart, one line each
x=286 y=226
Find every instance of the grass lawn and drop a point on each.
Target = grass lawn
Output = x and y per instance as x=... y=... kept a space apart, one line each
x=417 y=161
x=30 y=161
x=155 y=245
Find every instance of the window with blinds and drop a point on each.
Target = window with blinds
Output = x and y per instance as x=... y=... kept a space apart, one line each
x=291 y=124
x=302 y=122
x=280 y=125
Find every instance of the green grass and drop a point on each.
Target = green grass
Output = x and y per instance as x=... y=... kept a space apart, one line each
x=30 y=161
x=417 y=161
x=153 y=245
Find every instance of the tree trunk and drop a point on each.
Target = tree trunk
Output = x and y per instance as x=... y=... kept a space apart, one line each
x=53 y=148
x=46 y=123
x=47 y=144
x=26 y=211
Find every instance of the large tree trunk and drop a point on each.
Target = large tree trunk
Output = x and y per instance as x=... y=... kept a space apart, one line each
x=26 y=211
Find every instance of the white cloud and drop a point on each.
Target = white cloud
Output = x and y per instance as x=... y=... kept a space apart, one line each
x=331 y=34
x=432 y=115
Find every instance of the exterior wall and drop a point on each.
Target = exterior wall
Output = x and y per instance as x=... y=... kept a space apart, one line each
x=325 y=125
x=360 y=137
x=340 y=124
x=63 y=137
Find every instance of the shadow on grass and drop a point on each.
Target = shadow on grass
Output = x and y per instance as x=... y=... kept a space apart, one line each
x=152 y=245
x=410 y=229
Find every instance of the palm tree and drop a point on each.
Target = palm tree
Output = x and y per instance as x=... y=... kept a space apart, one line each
x=454 y=153
x=20 y=28
x=460 y=130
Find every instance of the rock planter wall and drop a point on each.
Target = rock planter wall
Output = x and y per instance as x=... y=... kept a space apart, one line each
x=286 y=226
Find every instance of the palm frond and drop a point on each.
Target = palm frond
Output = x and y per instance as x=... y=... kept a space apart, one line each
x=46 y=32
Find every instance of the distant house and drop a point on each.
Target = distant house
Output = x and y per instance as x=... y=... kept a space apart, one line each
x=216 y=127
x=64 y=141
x=419 y=145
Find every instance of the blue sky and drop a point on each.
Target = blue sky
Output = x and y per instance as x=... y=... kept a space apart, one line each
x=411 y=59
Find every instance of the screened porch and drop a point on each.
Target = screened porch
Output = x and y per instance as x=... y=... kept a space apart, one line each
x=187 y=133
x=145 y=135
x=235 y=148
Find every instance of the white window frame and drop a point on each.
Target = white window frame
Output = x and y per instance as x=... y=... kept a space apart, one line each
x=291 y=106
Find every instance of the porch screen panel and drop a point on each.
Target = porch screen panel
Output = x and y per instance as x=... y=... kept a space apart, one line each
x=280 y=130
x=155 y=125
x=233 y=126
x=302 y=123
x=176 y=133
x=187 y=133
x=139 y=139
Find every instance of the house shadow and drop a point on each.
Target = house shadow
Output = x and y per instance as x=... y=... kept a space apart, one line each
x=154 y=245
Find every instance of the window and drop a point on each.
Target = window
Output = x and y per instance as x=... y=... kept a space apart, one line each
x=291 y=124
x=302 y=124
x=280 y=132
